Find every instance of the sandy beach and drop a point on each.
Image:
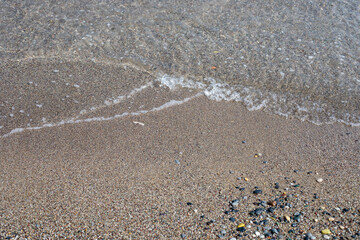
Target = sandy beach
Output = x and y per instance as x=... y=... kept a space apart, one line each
x=180 y=120
x=178 y=173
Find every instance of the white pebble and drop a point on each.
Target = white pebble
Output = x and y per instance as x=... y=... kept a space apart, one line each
x=319 y=180
x=56 y=71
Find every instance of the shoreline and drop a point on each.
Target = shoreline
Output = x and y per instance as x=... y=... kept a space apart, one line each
x=118 y=179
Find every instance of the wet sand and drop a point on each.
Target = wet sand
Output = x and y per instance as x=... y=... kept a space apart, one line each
x=120 y=180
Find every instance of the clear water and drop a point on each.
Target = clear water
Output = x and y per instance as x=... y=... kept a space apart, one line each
x=299 y=59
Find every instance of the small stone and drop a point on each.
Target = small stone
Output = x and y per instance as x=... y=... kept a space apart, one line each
x=345 y=210
x=326 y=236
x=235 y=202
x=232 y=219
x=183 y=235
x=246 y=179
x=325 y=231
x=257 y=234
x=177 y=161
x=189 y=203
x=257 y=191
x=309 y=236
x=257 y=155
x=320 y=180
x=232 y=238
x=271 y=209
x=331 y=219
x=240 y=225
x=287 y=218
x=258 y=211
x=241 y=229
x=272 y=203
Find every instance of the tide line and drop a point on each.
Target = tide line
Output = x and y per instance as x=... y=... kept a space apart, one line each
x=166 y=105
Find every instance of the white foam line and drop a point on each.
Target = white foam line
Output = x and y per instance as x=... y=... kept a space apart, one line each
x=169 y=104
x=117 y=100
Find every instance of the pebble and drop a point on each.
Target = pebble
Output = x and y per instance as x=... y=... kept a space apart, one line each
x=258 y=211
x=309 y=236
x=241 y=229
x=257 y=191
x=320 y=180
x=232 y=238
x=183 y=235
x=257 y=155
x=325 y=231
x=177 y=161
x=235 y=202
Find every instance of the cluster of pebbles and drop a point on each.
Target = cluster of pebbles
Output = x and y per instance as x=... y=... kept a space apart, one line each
x=282 y=215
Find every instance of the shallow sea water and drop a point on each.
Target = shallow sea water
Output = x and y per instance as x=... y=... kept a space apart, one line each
x=292 y=59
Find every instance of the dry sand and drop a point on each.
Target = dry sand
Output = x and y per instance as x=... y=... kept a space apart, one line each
x=120 y=180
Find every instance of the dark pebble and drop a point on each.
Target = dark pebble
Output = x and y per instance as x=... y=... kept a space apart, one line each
x=232 y=219
x=241 y=229
x=189 y=203
x=257 y=212
x=257 y=191
x=271 y=209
